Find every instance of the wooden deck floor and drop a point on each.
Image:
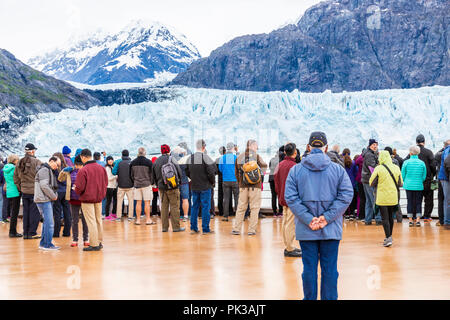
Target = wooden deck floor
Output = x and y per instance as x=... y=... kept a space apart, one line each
x=141 y=262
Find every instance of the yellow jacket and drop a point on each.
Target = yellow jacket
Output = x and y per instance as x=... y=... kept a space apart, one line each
x=386 y=192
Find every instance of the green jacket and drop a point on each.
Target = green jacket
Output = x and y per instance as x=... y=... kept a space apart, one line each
x=11 y=188
x=414 y=172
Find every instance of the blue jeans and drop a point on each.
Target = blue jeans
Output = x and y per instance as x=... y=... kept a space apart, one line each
x=327 y=252
x=446 y=191
x=46 y=209
x=370 y=203
x=203 y=199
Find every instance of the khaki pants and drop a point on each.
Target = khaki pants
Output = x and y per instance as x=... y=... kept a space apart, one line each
x=93 y=214
x=288 y=229
x=130 y=196
x=248 y=196
x=172 y=198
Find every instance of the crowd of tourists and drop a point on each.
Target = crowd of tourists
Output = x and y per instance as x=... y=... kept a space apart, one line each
x=313 y=193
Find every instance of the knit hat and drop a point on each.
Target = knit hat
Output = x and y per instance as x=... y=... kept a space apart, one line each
x=66 y=150
x=165 y=149
x=318 y=139
x=388 y=149
x=78 y=152
x=372 y=141
x=420 y=138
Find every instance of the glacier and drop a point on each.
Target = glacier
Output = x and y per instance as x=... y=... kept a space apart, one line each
x=394 y=117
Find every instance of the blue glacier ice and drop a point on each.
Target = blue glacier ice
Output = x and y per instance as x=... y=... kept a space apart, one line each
x=394 y=117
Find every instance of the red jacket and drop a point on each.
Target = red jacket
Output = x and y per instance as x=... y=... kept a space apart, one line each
x=91 y=183
x=153 y=161
x=280 y=176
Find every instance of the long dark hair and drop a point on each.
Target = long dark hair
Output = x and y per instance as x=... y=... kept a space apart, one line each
x=348 y=161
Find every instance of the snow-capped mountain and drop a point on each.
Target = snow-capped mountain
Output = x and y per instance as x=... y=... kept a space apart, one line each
x=138 y=53
x=394 y=117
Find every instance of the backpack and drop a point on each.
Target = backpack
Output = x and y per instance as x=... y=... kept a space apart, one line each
x=170 y=174
x=251 y=173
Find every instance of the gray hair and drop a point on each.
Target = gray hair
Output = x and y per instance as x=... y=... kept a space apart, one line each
x=141 y=151
x=200 y=144
x=414 y=150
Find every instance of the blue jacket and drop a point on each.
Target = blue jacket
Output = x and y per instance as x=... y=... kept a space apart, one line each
x=317 y=187
x=116 y=167
x=442 y=175
x=414 y=173
x=226 y=167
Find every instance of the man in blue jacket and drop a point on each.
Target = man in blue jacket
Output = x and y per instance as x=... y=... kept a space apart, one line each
x=318 y=192
x=230 y=185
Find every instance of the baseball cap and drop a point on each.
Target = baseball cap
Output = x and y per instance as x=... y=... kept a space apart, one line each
x=30 y=147
x=318 y=139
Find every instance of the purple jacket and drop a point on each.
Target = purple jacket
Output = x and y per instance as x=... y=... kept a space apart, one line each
x=68 y=161
x=73 y=177
x=352 y=173
x=359 y=162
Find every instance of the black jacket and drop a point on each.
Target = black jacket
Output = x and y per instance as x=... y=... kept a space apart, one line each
x=370 y=160
x=157 y=174
x=123 y=174
x=428 y=157
x=141 y=172
x=201 y=169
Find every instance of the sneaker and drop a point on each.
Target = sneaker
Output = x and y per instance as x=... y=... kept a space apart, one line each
x=208 y=232
x=90 y=248
x=235 y=232
x=387 y=242
x=418 y=224
x=118 y=219
x=179 y=230
x=113 y=216
x=52 y=248
x=74 y=244
x=411 y=224
x=195 y=231
x=86 y=244
x=379 y=223
x=251 y=233
x=224 y=219
x=368 y=223
x=293 y=253
x=108 y=217
x=130 y=219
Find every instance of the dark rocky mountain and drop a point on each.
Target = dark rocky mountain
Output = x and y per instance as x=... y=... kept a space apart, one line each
x=25 y=91
x=341 y=45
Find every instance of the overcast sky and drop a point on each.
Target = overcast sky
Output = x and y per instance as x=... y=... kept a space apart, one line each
x=30 y=27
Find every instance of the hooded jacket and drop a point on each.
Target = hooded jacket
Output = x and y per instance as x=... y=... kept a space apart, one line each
x=45 y=184
x=317 y=187
x=386 y=194
x=414 y=173
x=25 y=174
x=11 y=189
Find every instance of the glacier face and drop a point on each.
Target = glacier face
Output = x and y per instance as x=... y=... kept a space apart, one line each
x=394 y=117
